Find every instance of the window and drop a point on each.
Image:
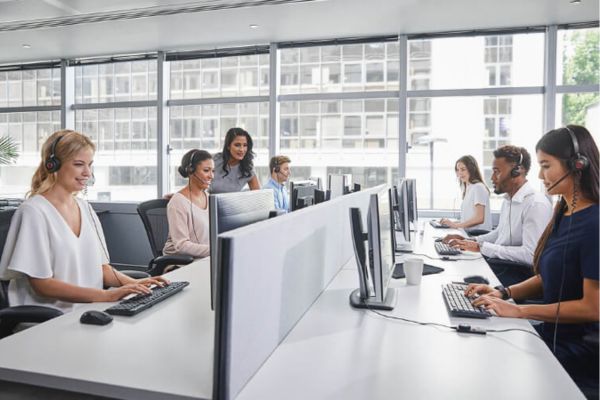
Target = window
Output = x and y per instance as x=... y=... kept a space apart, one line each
x=337 y=68
x=476 y=62
x=475 y=125
x=112 y=82
x=30 y=88
x=220 y=77
x=125 y=141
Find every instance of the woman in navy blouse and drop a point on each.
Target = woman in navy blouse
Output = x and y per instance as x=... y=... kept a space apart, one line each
x=566 y=259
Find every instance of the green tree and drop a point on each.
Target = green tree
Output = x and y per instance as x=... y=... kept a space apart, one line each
x=581 y=68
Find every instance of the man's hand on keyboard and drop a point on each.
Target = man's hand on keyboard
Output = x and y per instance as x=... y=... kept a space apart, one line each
x=468 y=245
x=500 y=307
x=448 y=238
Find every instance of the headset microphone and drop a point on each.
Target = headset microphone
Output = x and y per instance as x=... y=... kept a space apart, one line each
x=202 y=181
x=549 y=188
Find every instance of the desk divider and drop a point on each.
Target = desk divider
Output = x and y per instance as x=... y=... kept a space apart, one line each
x=270 y=273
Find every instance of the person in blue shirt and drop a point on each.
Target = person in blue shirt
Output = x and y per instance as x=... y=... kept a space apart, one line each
x=565 y=260
x=280 y=173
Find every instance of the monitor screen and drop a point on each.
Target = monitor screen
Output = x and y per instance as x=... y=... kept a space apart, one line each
x=230 y=211
x=337 y=184
x=381 y=244
x=411 y=189
x=302 y=194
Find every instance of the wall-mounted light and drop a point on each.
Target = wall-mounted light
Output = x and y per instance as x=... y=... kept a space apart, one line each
x=26 y=46
x=575 y=1
x=253 y=26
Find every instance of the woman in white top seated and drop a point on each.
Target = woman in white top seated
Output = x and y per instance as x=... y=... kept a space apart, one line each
x=187 y=210
x=55 y=253
x=475 y=208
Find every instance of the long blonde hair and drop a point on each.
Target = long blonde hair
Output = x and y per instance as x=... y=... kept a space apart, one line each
x=70 y=143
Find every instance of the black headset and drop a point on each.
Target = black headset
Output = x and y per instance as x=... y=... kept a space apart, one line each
x=516 y=169
x=189 y=169
x=52 y=163
x=578 y=162
x=277 y=168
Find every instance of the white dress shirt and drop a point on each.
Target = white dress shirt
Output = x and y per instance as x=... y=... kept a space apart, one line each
x=522 y=221
x=476 y=194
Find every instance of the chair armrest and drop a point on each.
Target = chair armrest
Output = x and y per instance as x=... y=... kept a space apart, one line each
x=158 y=265
x=135 y=274
x=10 y=317
x=174 y=260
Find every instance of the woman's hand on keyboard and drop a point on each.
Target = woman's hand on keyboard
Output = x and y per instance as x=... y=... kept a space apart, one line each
x=501 y=307
x=154 y=280
x=449 y=223
x=118 y=293
x=480 y=289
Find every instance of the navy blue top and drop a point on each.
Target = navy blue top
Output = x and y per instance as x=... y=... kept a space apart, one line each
x=579 y=233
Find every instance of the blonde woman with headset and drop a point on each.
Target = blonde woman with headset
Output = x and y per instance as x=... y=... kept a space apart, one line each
x=55 y=253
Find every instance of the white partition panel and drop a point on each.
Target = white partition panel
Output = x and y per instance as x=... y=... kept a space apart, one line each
x=271 y=273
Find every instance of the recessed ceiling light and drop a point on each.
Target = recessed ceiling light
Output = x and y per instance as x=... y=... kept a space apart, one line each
x=253 y=26
x=575 y=1
x=26 y=46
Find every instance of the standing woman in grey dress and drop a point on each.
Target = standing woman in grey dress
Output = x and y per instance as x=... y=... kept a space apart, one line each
x=234 y=167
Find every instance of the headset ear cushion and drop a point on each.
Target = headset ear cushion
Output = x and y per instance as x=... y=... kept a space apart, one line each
x=52 y=164
x=579 y=163
x=276 y=169
x=183 y=171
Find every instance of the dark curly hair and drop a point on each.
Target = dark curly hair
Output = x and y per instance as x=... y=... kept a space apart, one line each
x=246 y=165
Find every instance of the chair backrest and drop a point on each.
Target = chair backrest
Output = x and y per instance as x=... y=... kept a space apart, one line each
x=154 y=217
x=5 y=218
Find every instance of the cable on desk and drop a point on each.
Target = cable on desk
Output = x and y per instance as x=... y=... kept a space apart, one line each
x=454 y=328
x=446 y=259
x=515 y=329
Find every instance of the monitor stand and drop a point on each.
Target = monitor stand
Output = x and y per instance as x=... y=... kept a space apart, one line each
x=388 y=301
x=402 y=245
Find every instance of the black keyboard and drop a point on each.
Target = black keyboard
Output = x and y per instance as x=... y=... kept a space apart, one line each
x=445 y=250
x=142 y=302
x=437 y=225
x=460 y=305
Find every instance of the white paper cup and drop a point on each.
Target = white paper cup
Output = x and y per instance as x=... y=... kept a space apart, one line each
x=413 y=269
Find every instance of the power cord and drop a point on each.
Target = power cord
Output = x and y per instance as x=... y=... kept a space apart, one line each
x=461 y=328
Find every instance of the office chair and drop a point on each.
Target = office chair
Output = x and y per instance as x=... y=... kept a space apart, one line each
x=509 y=272
x=10 y=317
x=154 y=217
x=476 y=231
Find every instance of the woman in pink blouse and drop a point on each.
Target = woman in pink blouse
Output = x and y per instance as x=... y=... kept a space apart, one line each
x=187 y=210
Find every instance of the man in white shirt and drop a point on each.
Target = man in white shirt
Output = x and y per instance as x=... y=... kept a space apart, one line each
x=524 y=215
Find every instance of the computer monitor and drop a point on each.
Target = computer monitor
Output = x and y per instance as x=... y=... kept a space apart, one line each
x=228 y=211
x=401 y=221
x=373 y=289
x=318 y=181
x=337 y=184
x=302 y=194
x=413 y=211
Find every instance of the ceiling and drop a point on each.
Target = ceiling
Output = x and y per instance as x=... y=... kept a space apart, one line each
x=277 y=20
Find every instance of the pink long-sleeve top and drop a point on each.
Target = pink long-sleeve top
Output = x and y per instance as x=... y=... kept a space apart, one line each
x=185 y=236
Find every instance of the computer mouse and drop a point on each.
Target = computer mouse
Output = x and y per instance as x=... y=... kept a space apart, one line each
x=438 y=239
x=476 y=279
x=95 y=317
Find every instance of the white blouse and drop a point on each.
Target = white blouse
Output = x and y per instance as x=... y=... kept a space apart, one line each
x=40 y=244
x=476 y=193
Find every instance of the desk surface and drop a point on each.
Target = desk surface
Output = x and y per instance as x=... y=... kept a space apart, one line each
x=336 y=352
x=165 y=352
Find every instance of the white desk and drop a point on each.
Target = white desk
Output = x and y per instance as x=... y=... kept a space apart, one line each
x=336 y=352
x=165 y=352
